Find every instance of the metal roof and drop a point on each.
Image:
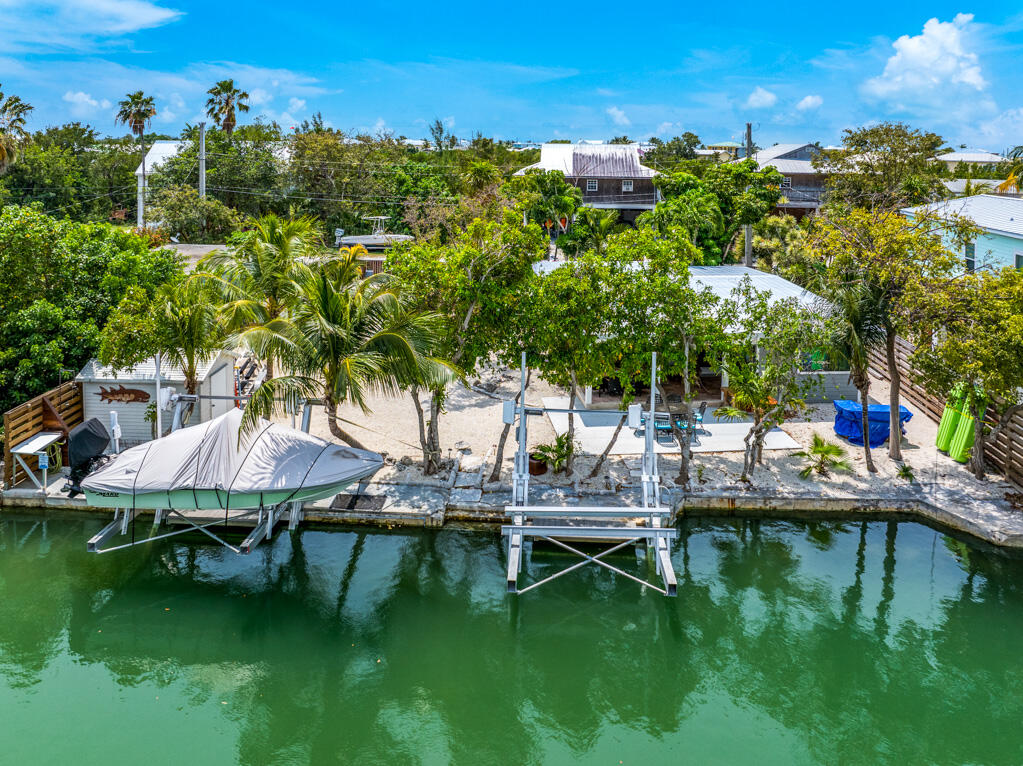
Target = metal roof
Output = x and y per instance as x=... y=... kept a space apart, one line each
x=145 y=371
x=979 y=157
x=995 y=212
x=722 y=280
x=589 y=161
x=158 y=153
x=775 y=157
x=374 y=241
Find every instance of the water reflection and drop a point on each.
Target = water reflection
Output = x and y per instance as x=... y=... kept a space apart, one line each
x=826 y=642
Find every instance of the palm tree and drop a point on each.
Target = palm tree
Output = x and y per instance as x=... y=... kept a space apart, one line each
x=1014 y=183
x=12 y=128
x=189 y=329
x=224 y=100
x=344 y=340
x=823 y=457
x=595 y=227
x=480 y=175
x=857 y=314
x=136 y=111
x=259 y=278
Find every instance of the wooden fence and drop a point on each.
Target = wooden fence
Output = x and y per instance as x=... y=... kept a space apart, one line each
x=59 y=409
x=1006 y=452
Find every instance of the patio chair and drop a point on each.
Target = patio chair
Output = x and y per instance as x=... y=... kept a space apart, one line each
x=698 y=416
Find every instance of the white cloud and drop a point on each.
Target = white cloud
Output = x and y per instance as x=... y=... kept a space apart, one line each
x=77 y=24
x=809 y=102
x=449 y=123
x=83 y=104
x=618 y=117
x=663 y=128
x=380 y=126
x=258 y=97
x=932 y=68
x=607 y=92
x=296 y=104
x=996 y=134
x=761 y=98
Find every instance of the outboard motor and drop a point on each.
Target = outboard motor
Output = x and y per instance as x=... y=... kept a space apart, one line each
x=85 y=445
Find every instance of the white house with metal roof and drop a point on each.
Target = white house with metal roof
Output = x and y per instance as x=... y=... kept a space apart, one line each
x=999 y=215
x=979 y=158
x=157 y=154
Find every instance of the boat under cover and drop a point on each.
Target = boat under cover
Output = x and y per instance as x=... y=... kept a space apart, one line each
x=215 y=465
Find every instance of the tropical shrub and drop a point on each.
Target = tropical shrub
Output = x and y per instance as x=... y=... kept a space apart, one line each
x=822 y=458
x=183 y=214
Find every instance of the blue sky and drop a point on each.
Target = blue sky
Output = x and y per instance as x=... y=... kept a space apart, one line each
x=532 y=70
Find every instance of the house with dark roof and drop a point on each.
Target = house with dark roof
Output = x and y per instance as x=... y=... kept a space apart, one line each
x=609 y=175
x=803 y=184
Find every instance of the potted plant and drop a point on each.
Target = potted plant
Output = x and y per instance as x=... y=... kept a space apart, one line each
x=554 y=456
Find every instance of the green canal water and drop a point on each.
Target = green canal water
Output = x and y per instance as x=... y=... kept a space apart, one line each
x=789 y=643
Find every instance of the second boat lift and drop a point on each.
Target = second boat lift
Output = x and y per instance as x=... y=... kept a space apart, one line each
x=613 y=524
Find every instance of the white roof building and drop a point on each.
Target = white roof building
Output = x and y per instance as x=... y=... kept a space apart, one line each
x=997 y=213
x=977 y=157
x=158 y=153
x=592 y=161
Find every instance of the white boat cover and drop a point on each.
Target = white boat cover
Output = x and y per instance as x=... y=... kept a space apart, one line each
x=216 y=466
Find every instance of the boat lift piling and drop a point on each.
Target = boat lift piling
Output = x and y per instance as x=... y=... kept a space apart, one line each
x=607 y=524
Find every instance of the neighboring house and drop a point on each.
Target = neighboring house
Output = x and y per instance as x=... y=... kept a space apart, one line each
x=803 y=184
x=377 y=244
x=130 y=393
x=157 y=153
x=722 y=150
x=981 y=158
x=1000 y=216
x=609 y=175
x=957 y=186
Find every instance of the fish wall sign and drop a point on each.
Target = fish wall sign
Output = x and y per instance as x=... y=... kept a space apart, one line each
x=122 y=394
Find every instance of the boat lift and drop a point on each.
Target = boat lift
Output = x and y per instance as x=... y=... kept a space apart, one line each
x=607 y=524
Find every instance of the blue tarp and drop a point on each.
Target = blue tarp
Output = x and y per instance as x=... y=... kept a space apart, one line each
x=849 y=421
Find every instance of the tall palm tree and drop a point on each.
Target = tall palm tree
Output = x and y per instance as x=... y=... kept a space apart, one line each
x=1014 y=183
x=259 y=277
x=137 y=111
x=344 y=340
x=224 y=100
x=858 y=315
x=12 y=128
x=189 y=330
x=596 y=226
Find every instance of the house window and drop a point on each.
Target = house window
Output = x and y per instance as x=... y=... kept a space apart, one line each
x=627 y=185
x=1019 y=260
x=971 y=256
x=591 y=184
x=786 y=183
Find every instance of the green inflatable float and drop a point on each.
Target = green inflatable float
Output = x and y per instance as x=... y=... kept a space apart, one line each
x=962 y=440
x=950 y=420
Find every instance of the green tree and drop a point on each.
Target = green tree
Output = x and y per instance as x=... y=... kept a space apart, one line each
x=974 y=338
x=898 y=259
x=184 y=214
x=223 y=103
x=697 y=212
x=545 y=197
x=259 y=278
x=856 y=309
x=769 y=343
x=480 y=175
x=13 y=112
x=745 y=195
x=345 y=339
x=476 y=283
x=823 y=457
x=668 y=154
x=137 y=111
x=591 y=230
x=887 y=166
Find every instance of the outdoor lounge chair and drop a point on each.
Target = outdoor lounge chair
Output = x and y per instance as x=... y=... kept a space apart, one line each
x=698 y=415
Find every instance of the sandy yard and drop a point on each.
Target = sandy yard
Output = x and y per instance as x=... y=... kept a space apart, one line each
x=472 y=420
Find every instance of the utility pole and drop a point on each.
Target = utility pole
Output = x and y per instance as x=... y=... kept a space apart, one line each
x=202 y=159
x=748 y=229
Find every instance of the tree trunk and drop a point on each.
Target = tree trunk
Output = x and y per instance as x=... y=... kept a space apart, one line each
x=495 y=475
x=433 y=454
x=421 y=419
x=335 y=426
x=682 y=437
x=569 y=464
x=607 y=449
x=895 y=421
x=865 y=420
x=977 y=455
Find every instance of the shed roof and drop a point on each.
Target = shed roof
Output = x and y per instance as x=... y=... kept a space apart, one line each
x=145 y=371
x=590 y=161
x=995 y=212
x=775 y=157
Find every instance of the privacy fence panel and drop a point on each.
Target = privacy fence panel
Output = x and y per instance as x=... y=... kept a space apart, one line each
x=59 y=409
x=1006 y=452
